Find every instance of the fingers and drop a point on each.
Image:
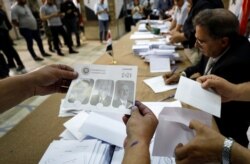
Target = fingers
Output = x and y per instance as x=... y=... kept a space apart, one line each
x=171 y=80
x=194 y=124
x=125 y=119
x=66 y=74
x=62 y=89
x=62 y=67
x=208 y=81
x=181 y=152
x=144 y=110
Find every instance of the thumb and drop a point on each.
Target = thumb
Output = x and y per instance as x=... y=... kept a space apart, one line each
x=135 y=111
x=195 y=125
x=180 y=151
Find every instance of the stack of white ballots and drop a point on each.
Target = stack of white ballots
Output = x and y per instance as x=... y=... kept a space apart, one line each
x=89 y=151
x=144 y=35
x=145 y=48
x=90 y=138
x=90 y=135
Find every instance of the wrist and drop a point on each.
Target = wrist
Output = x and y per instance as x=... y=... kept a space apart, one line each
x=27 y=89
x=30 y=82
x=136 y=142
x=226 y=151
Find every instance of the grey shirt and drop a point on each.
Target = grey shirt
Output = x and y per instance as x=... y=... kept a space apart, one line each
x=24 y=16
x=48 y=10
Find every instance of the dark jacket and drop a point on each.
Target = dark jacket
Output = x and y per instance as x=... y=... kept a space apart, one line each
x=197 y=6
x=4 y=21
x=235 y=115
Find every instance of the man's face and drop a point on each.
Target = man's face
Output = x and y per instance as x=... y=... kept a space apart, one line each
x=208 y=46
x=101 y=1
x=178 y=3
x=124 y=92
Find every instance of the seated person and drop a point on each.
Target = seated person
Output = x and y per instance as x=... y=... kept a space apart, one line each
x=137 y=11
x=187 y=37
x=163 y=6
x=225 y=53
x=180 y=15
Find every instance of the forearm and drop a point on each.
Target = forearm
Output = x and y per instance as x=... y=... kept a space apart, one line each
x=173 y=24
x=242 y=92
x=239 y=154
x=100 y=12
x=136 y=153
x=182 y=37
x=14 y=90
x=46 y=17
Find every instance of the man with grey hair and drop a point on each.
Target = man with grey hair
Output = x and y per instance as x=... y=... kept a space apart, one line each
x=225 y=54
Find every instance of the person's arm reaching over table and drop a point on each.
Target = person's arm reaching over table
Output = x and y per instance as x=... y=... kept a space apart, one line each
x=227 y=90
x=43 y=81
x=207 y=147
x=141 y=126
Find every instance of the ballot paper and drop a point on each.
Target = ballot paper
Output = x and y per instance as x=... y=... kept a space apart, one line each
x=158 y=85
x=173 y=57
x=157 y=107
x=73 y=125
x=119 y=153
x=151 y=21
x=144 y=36
x=159 y=65
x=191 y=92
x=162 y=52
x=67 y=135
x=99 y=126
x=173 y=128
x=69 y=151
x=101 y=88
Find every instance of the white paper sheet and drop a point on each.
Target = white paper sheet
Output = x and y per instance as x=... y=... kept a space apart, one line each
x=158 y=85
x=191 y=92
x=159 y=65
x=68 y=151
x=173 y=129
x=157 y=107
x=67 y=135
x=73 y=125
x=95 y=150
x=101 y=88
x=145 y=36
x=99 y=126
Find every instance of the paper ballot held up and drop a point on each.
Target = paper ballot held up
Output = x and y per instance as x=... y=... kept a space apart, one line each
x=191 y=92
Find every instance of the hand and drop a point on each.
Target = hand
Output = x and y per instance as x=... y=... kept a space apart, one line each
x=52 y=78
x=140 y=125
x=170 y=78
x=176 y=37
x=205 y=147
x=227 y=90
